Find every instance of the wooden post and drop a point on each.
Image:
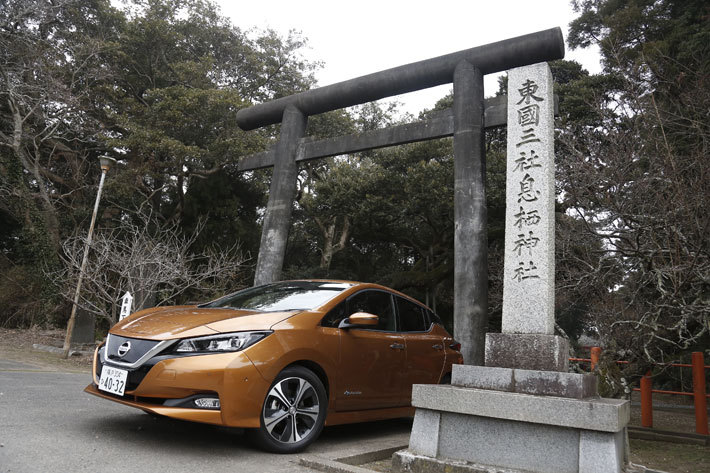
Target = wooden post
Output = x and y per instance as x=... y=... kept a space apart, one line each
x=701 y=406
x=595 y=353
x=647 y=401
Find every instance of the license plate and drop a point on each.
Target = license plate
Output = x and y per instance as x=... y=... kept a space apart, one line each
x=113 y=380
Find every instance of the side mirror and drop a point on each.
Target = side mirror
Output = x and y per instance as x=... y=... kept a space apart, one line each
x=360 y=319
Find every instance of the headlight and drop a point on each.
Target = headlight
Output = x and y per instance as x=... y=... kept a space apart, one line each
x=224 y=342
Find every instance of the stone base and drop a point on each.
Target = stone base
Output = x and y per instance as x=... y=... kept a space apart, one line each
x=527 y=351
x=543 y=383
x=407 y=461
x=497 y=431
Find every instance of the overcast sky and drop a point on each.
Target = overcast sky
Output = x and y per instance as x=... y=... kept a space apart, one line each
x=354 y=38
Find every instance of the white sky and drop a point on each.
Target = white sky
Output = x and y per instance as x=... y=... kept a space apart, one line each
x=357 y=38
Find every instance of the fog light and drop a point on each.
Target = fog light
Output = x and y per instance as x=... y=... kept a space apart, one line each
x=207 y=403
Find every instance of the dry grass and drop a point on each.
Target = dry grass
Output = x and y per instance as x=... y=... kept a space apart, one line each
x=16 y=345
x=670 y=457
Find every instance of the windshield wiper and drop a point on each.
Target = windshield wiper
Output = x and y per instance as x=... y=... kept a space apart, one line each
x=236 y=308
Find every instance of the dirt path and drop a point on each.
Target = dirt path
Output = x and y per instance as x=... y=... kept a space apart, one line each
x=16 y=345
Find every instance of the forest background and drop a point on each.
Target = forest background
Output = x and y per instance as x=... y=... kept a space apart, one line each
x=156 y=84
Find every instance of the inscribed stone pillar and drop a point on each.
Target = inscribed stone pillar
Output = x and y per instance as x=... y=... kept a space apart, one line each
x=529 y=273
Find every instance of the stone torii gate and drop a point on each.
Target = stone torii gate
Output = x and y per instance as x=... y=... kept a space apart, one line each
x=466 y=122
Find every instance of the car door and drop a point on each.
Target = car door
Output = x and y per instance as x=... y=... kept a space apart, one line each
x=425 y=353
x=371 y=373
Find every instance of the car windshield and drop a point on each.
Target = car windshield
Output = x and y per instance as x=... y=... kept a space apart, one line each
x=281 y=296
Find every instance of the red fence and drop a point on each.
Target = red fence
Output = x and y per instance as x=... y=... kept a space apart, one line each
x=646 y=388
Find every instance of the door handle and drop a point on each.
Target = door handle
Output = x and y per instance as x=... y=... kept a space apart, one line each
x=397 y=346
x=438 y=347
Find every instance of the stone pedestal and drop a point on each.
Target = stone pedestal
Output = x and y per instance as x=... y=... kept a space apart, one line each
x=486 y=422
x=530 y=351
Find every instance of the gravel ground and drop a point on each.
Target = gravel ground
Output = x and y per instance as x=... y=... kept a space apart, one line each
x=673 y=458
x=670 y=457
x=679 y=419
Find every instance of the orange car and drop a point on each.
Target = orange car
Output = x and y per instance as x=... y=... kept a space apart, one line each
x=283 y=359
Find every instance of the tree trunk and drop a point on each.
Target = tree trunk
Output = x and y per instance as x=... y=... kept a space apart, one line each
x=329 y=247
x=38 y=211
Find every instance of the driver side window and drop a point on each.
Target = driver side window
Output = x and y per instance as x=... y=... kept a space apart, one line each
x=336 y=315
x=375 y=302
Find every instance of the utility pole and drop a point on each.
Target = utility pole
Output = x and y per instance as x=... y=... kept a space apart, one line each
x=106 y=163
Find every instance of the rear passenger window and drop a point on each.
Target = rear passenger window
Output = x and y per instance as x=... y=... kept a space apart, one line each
x=433 y=318
x=411 y=316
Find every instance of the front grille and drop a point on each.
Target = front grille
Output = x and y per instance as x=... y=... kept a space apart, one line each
x=138 y=348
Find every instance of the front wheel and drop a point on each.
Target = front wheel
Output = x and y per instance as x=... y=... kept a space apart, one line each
x=293 y=413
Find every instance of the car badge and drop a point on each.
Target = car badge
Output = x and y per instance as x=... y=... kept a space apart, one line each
x=123 y=349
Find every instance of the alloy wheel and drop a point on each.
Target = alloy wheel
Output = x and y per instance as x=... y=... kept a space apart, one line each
x=291 y=410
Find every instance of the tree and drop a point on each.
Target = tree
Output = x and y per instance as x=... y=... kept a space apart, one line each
x=153 y=261
x=329 y=190
x=156 y=84
x=49 y=60
x=636 y=173
x=182 y=72
x=326 y=197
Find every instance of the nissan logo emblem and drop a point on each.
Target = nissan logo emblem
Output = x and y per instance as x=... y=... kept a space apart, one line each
x=123 y=349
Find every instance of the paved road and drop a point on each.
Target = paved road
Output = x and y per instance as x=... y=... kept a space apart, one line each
x=48 y=424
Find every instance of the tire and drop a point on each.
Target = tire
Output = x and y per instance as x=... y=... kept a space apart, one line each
x=293 y=412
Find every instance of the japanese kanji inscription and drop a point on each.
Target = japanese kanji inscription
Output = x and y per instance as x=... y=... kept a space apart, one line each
x=528 y=297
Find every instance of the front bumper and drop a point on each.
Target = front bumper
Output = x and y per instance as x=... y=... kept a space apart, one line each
x=230 y=376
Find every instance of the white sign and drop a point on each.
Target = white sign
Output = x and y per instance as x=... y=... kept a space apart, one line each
x=126 y=305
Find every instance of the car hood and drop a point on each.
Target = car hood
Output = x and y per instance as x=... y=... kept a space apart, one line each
x=164 y=323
